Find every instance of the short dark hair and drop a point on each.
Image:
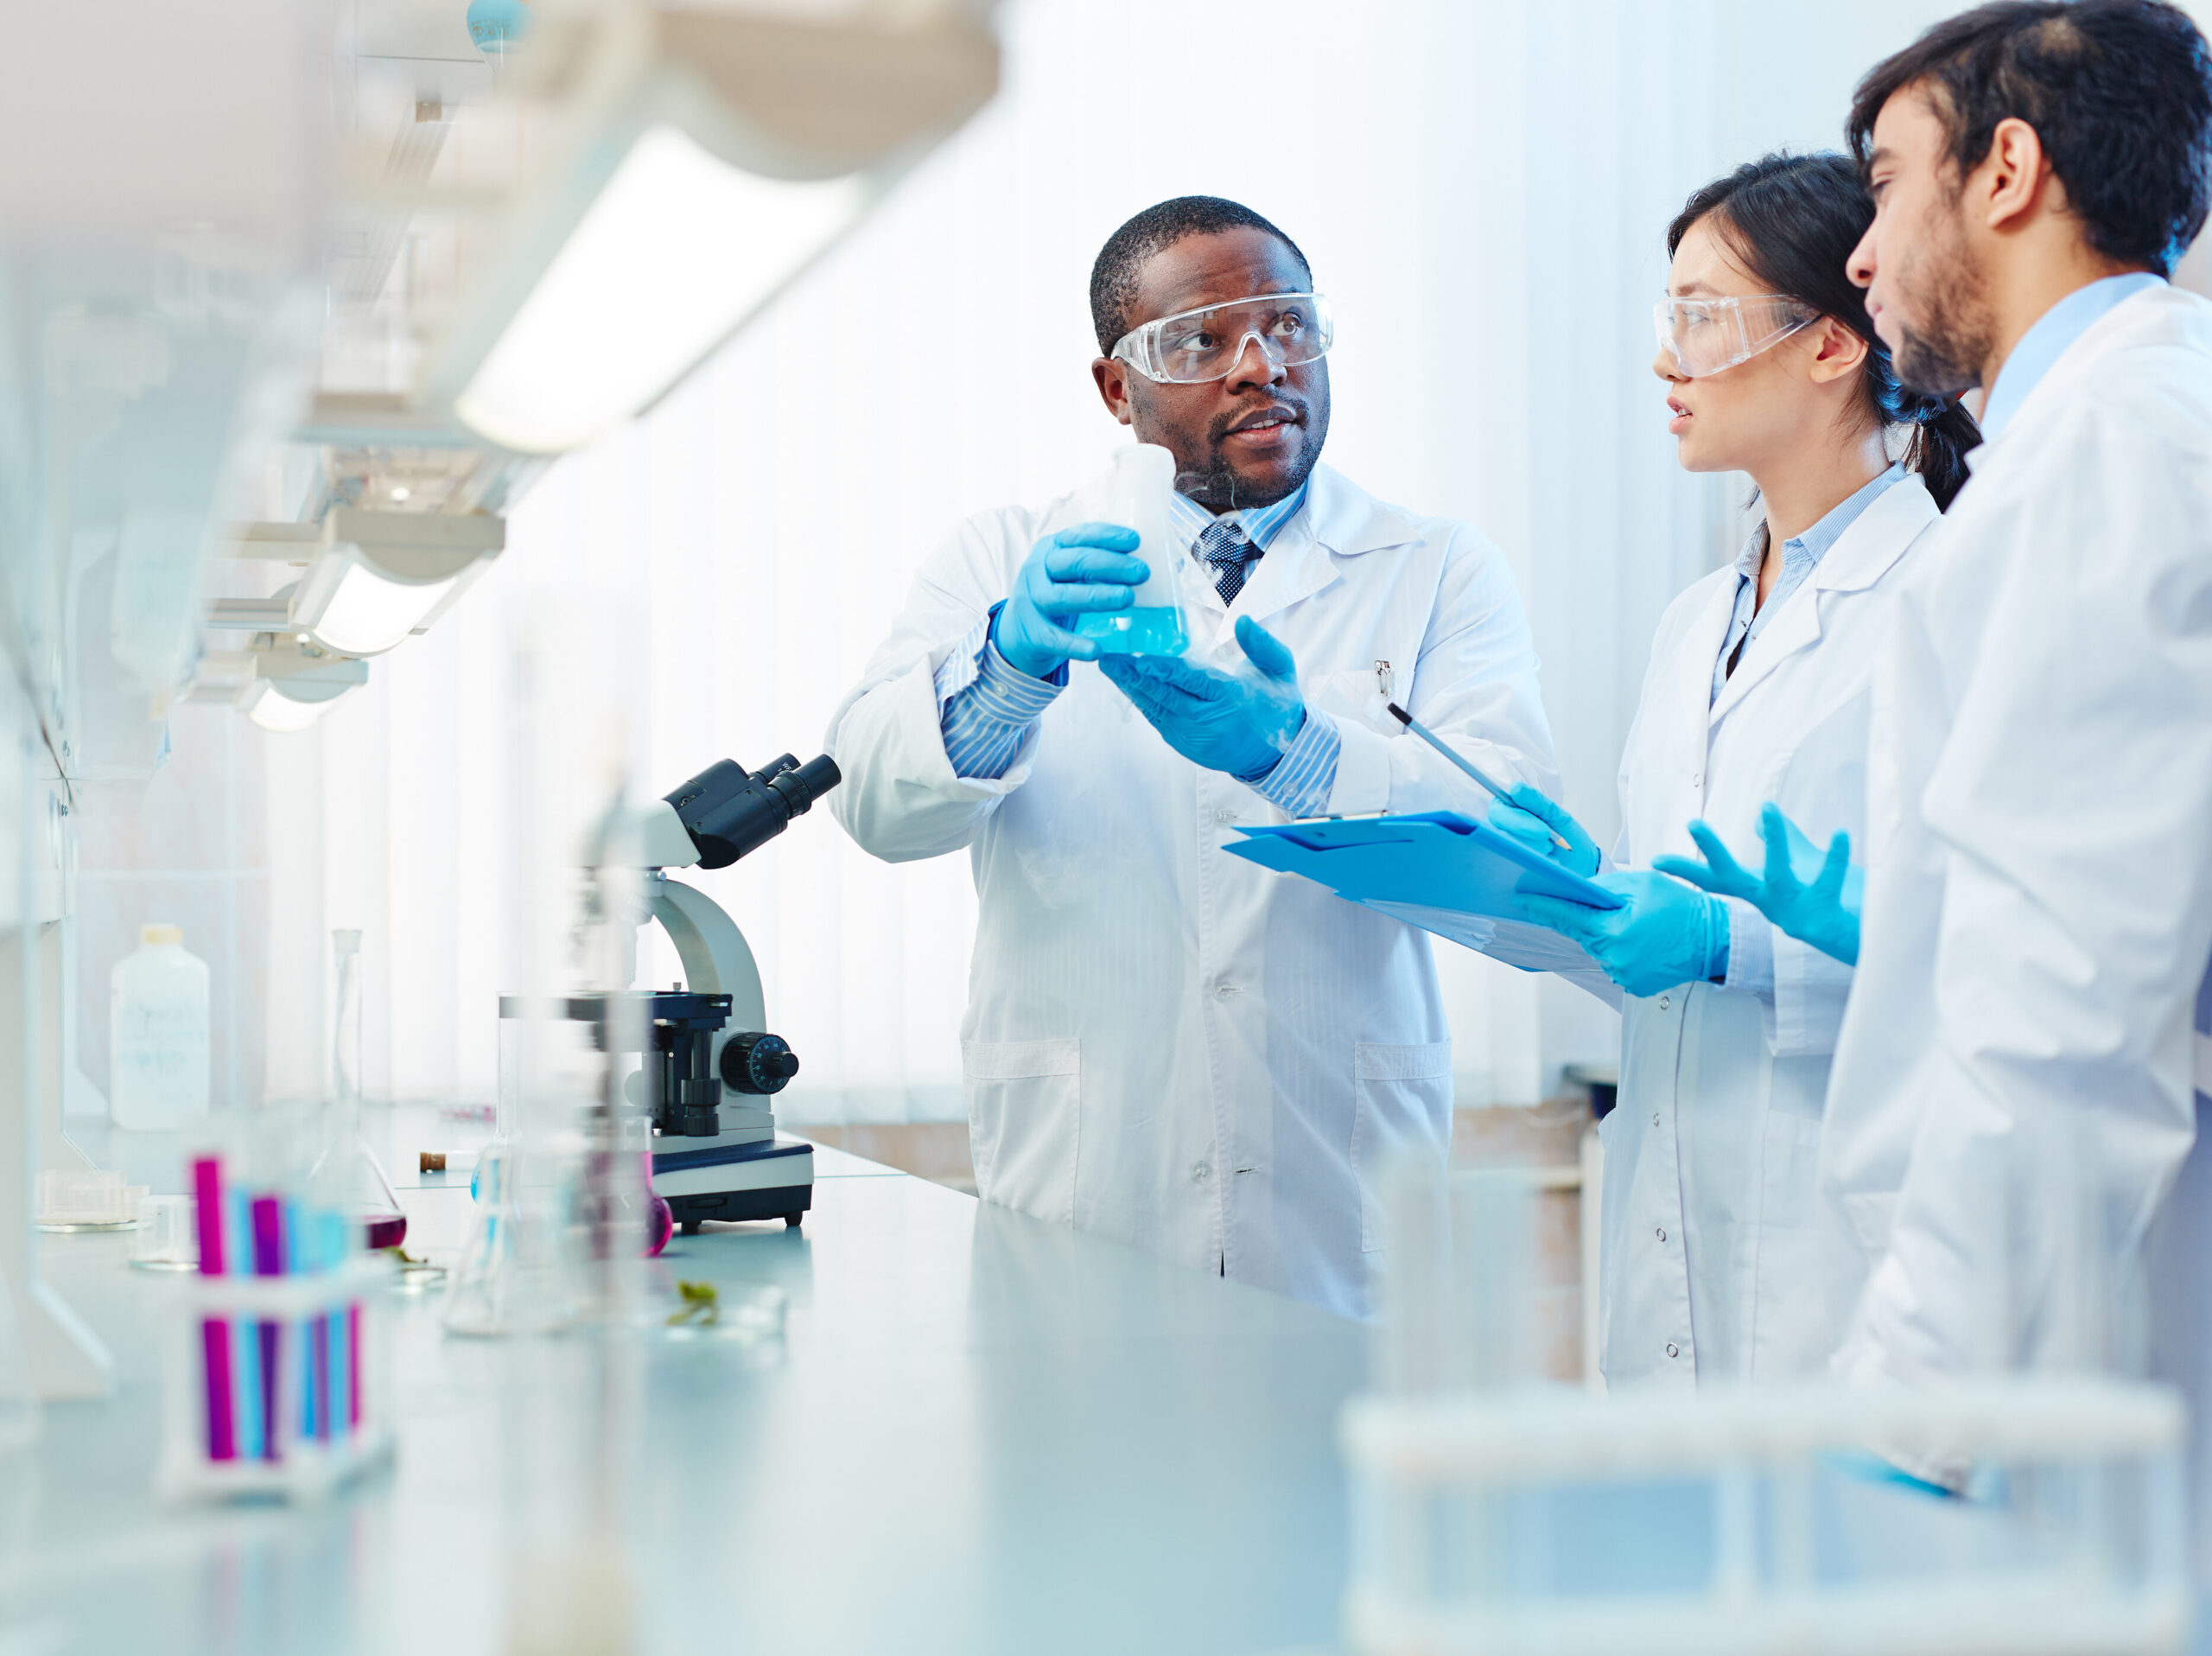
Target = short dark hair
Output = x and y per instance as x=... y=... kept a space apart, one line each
x=1792 y=221
x=1113 y=274
x=2120 y=92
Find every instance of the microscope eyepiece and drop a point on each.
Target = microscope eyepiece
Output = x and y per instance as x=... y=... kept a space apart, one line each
x=729 y=813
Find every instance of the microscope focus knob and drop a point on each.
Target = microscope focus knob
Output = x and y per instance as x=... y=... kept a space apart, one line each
x=758 y=1063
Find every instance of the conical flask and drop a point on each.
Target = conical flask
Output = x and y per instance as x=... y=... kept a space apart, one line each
x=348 y=1172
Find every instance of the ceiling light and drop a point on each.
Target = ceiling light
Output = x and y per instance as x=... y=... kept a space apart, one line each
x=292 y=687
x=678 y=249
x=704 y=155
x=381 y=576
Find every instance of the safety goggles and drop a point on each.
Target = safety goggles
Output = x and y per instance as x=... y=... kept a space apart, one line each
x=1706 y=335
x=1193 y=347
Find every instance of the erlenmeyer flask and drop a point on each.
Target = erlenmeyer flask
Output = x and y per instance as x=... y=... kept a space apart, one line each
x=348 y=1171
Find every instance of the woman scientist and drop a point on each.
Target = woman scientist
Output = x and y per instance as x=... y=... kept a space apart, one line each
x=1757 y=689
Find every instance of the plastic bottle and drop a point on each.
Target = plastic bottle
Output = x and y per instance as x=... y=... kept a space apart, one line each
x=157 y=1033
x=1141 y=496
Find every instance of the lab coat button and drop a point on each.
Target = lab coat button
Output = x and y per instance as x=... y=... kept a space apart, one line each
x=1665 y=1002
x=1671 y=1352
x=1201 y=1173
x=1224 y=815
x=1654 y=1118
x=1697 y=779
x=1663 y=1233
x=1223 y=992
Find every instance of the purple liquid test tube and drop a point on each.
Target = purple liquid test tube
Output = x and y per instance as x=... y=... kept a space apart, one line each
x=214 y=1332
x=269 y=1261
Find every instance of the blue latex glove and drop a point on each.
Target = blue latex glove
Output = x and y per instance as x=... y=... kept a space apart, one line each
x=1533 y=817
x=1073 y=572
x=1823 y=911
x=1224 y=723
x=1665 y=934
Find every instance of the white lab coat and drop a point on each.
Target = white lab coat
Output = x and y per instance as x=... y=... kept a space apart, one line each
x=1163 y=1042
x=2012 y=1097
x=1709 y=1270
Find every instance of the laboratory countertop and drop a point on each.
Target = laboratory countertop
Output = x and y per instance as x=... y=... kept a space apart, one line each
x=978 y=1432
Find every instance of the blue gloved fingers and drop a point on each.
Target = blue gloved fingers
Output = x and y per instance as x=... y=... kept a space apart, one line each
x=1719 y=872
x=1578 y=922
x=1173 y=674
x=1516 y=823
x=1114 y=537
x=1072 y=598
x=1265 y=651
x=1581 y=853
x=1063 y=565
x=1783 y=884
x=1834 y=866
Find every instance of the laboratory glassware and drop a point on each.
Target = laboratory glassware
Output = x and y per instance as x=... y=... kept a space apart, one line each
x=347 y=1174
x=157 y=1039
x=169 y=1235
x=1141 y=496
x=1704 y=336
x=1194 y=347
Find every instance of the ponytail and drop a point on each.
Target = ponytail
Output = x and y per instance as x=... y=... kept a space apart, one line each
x=1794 y=220
x=1940 y=437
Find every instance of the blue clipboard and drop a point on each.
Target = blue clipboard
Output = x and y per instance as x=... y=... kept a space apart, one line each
x=1434 y=859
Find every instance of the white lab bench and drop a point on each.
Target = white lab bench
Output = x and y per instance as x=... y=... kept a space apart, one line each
x=980 y=1433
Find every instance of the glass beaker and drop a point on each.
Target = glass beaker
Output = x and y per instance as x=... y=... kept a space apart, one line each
x=347 y=1172
x=1141 y=496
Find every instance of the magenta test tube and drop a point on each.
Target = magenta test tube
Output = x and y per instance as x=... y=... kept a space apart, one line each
x=214 y=1332
x=269 y=1261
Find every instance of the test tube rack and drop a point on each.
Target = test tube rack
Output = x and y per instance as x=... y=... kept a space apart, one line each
x=276 y=1386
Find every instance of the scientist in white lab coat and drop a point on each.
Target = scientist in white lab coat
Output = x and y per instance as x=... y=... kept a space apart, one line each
x=1164 y=1043
x=1757 y=689
x=2013 y=1125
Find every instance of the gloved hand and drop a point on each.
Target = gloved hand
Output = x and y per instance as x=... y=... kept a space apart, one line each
x=1531 y=820
x=1070 y=573
x=1224 y=723
x=1665 y=934
x=1823 y=912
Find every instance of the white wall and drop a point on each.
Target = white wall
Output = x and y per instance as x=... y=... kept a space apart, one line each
x=1482 y=186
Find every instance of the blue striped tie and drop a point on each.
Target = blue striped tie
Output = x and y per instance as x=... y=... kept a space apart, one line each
x=1224 y=546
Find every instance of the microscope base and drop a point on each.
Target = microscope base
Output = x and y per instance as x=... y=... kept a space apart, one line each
x=766 y=1179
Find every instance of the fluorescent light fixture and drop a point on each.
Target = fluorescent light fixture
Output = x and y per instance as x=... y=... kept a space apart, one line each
x=699 y=154
x=291 y=689
x=678 y=249
x=381 y=576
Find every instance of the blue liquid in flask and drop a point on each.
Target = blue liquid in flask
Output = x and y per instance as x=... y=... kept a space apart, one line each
x=1153 y=630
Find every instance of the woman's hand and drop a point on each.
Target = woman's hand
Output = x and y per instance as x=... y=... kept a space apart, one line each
x=1823 y=913
x=1532 y=818
x=1664 y=934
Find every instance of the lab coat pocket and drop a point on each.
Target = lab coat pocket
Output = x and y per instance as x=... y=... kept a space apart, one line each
x=1354 y=695
x=1402 y=1108
x=1024 y=1101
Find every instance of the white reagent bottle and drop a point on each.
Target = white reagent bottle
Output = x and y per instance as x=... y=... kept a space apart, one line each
x=157 y=1033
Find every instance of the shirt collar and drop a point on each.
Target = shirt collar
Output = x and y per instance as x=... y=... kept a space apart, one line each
x=2045 y=342
x=1260 y=524
x=1813 y=545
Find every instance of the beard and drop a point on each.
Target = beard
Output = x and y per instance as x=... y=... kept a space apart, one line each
x=1942 y=353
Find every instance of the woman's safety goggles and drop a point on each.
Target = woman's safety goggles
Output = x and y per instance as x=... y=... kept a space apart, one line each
x=1706 y=335
x=1193 y=347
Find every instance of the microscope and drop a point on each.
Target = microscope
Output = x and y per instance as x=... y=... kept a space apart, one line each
x=711 y=1066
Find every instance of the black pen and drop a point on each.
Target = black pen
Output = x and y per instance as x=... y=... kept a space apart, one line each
x=1437 y=742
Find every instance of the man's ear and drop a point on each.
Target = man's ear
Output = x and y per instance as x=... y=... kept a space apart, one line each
x=2007 y=184
x=1839 y=351
x=1112 y=377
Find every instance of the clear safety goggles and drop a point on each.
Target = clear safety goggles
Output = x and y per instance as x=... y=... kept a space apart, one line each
x=1706 y=335
x=1193 y=347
